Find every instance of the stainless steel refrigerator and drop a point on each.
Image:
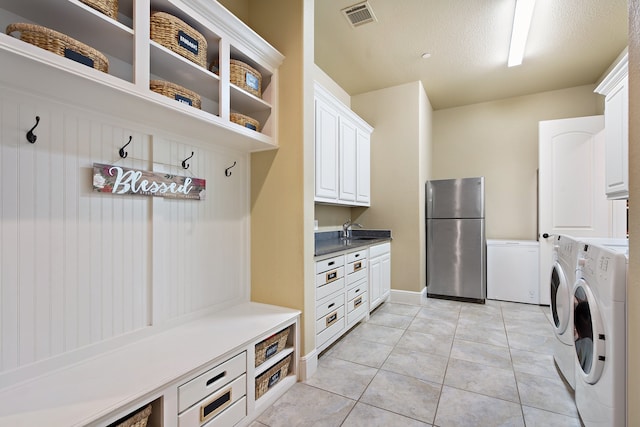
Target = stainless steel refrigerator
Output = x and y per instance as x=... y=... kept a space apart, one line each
x=456 y=243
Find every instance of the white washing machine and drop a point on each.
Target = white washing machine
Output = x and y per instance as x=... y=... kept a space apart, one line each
x=600 y=329
x=563 y=277
x=513 y=270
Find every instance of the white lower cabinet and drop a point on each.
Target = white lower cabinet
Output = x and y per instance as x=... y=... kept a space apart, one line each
x=379 y=274
x=341 y=295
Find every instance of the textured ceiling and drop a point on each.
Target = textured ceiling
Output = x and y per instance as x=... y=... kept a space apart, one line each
x=571 y=43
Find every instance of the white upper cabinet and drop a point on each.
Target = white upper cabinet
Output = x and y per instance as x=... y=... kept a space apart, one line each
x=348 y=162
x=363 y=167
x=135 y=59
x=615 y=88
x=343 y=153
x=326 y=136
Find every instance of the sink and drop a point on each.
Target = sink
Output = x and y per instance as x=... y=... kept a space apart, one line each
x=364 y=238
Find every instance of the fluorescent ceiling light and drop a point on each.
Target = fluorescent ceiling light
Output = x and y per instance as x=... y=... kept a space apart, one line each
x=520 y=31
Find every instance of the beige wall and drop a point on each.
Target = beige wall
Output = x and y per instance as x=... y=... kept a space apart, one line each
x=499 y=140
x=400 y=149
x=240 y=8
x=282 y=180
x=633 y=281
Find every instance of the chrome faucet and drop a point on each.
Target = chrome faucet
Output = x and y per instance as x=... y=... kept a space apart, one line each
x=347 y=228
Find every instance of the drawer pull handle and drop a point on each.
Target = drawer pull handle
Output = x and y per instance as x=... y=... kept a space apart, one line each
x=357 y=255
x=215 y=405
x=357 y=290
x=331 y=276
x=357 y=302
x=331 y=319
x=331 y=305
x=331 y=263
x=357 y=266
x=216 y=378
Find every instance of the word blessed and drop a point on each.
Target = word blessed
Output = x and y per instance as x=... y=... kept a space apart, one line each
x=120 y=180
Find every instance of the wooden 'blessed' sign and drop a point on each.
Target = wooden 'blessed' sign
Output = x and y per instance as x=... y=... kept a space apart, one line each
x=119 y=180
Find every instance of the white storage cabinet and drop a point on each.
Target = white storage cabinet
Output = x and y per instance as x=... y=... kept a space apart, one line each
x=615 y=88
x=135 y=59
x=343 y=153
x=379 y=274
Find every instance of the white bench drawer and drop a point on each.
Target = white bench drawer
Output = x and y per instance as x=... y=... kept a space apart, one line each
x=214 y=405
x=207 y=383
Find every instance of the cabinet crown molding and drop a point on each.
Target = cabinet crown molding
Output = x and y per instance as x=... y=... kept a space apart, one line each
x=252 y=43
x=615 y=76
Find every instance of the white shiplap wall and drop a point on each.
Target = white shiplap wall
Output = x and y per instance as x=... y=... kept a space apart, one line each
x=79 y=268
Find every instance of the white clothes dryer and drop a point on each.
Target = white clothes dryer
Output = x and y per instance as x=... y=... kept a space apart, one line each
x=600 y=328
x=563 y=277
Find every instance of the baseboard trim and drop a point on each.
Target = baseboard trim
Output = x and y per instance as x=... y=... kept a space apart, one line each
x=308 y=365
x=408 y=297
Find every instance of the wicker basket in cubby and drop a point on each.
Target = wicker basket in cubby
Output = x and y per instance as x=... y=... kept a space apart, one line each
x=60 y=44
x=272 y=377
x=108 y=7
x=174 y=91
x=137 y=419
x=242 y=75
x=245 y=121
x=271 y=346
x=174 y=34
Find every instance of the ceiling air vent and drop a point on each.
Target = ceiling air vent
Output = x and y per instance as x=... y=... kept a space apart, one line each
x=359 y=14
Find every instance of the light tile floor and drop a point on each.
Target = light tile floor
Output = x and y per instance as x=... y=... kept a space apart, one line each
x=443 y=363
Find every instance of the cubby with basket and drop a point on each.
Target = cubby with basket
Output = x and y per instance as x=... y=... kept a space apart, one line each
x=138 y=418
x=176 y=92
x=179 y=37
x=273 y=376
x=60 y=44
x=271 y=346
x=108 y=7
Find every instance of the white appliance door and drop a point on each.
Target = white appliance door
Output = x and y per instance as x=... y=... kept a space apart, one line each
x=572 y=198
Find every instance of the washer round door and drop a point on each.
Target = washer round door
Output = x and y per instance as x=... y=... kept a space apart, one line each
x=560 y=299
x=588 y=333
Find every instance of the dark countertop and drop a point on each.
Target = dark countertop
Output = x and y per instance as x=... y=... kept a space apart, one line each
x=329 y=242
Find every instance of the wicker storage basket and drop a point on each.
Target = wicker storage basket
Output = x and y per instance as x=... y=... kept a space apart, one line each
x=176 y=92
x=108 y=7
x=176 y=35
x=245 y=121
x=271 y=346
x=139 y=419
x=242 y=75
x=272 y=377
x=60 y=44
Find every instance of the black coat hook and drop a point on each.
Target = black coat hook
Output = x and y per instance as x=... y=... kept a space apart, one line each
x=184 y=162
x=31 y=137
x=227 y=172
x=123 y=153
